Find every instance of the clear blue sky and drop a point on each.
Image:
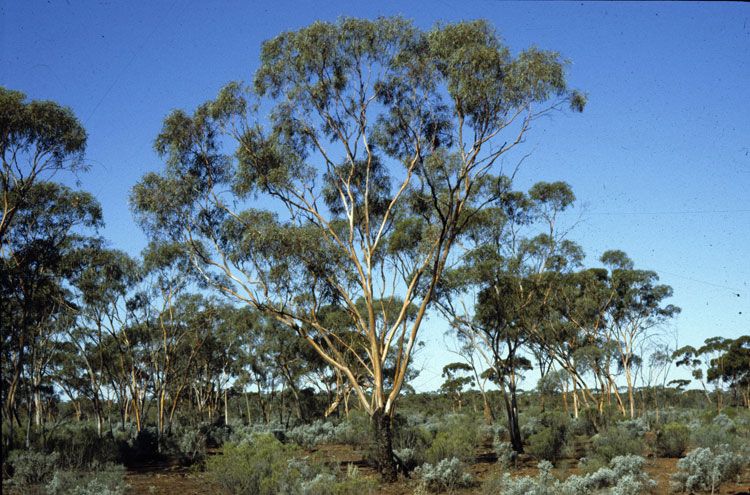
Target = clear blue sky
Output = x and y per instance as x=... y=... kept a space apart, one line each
x=660 y=159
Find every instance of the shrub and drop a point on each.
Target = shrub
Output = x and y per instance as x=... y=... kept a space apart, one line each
x=31 y=467
x=458 y=438
x=624 y=476
x=330 y=484
x=705 y=469
x=190 y=445
x=108 y=479
x=506 y=456
x=720 y=431
x=582 y=426
x=616 y=441
x=672 y=440
x=543 y=484
x=530 y=425
x=262 y=465
x=310 y=435
x=79 y=445
x=446 y=475
x=724 y=422
x=143 y=446
x=635 y=427
x=355 y=430
x=548 y=441
x=410 y=435
x=409 y=458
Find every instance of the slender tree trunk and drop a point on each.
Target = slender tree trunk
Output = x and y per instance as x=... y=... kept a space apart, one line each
x=511 y=409
x=226 y=407
x=489 y=416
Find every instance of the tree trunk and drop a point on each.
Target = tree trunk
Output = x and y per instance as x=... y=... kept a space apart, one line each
x=489 y=416
x=383 y=438
x=511 y=408
x=226 y=407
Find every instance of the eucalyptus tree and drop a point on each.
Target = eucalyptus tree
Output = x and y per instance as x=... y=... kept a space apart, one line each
x=381 y=142
x=498 y=296
x=719 y=360
x=100 y=285
x=456 y=379
x=732 y=367
x=637 y=309
x=37 y=139
x=36 y=267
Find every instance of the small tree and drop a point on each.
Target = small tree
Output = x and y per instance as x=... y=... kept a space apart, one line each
x=454 y=383
x=380 y=147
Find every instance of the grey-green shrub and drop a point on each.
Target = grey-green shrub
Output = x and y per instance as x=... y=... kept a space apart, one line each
x=673 y=440
x=623 y=476
x=446 y=475
x=31 y=467
x=506 y=456
x=107 y=479
x=705 y=469
x=310 y=435
x=191 y=445
x=327 y=483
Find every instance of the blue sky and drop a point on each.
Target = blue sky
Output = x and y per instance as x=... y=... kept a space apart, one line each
x=660 y=159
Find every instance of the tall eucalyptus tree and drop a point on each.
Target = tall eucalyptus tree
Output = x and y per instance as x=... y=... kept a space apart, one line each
x=381 y=143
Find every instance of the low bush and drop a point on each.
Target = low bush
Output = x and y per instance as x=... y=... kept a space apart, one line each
x=623 y=476
x=79 y=445
x=616 y=441
x=143 y=446
x=446 y=475
x=310 y=435
x=108 y=479
x=547 y=443
x=672 y=440
x=262 y=465
x=329 y=484
x=455 y=440
x=705 y=469
x=32 y=468
x=506 y=456
x=188 y=445
x=355 y=430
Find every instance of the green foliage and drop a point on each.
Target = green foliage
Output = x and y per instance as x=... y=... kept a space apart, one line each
x=673 y=440
x=617 y=441
x=457 y=437
x=713 y=434
x=547 y=442
x=31 y=467
x=80 y=446
x=262 y=466
x=107 y=479
x=189 y=444
x=355 y=430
